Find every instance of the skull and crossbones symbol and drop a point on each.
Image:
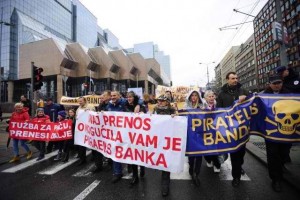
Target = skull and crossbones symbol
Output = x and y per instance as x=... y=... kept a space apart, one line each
x=287 y=117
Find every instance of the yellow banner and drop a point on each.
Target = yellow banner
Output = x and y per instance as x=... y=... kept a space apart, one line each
x=179 y=93
x=72 y=101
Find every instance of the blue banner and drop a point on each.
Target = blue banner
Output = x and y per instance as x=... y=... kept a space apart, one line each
x=274 y=117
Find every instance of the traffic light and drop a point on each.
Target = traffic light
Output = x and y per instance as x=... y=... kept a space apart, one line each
x=37 y=78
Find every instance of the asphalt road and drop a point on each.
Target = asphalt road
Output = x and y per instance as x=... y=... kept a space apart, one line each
x=52 y=180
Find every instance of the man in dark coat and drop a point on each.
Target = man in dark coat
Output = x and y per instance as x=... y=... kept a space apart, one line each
x=51 y=109
x=276 y=151
x=26 y=103
x=230 y=92
x=291 y=79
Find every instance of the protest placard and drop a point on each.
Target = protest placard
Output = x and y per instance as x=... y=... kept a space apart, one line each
x=153 y=141
x=52 y=131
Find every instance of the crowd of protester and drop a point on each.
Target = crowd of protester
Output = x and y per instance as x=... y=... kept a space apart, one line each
x=285 y=81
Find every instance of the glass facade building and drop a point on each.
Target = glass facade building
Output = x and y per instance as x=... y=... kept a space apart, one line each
x=25 y=21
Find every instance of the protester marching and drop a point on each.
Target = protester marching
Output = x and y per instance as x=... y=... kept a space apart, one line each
x=159 y=132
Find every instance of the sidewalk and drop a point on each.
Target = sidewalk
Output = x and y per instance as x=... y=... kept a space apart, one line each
x=256 y=146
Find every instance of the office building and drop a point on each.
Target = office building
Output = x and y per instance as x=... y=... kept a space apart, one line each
x=245 y=65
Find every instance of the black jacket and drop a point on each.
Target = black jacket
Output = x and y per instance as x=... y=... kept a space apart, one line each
x=229 y=94
x=292 y=82
x=102 y=106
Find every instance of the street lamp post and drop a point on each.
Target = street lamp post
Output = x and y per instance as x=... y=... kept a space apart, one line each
x=207 y=70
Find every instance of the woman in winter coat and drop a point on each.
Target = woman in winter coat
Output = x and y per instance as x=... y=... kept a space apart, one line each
x=20 y=115
x=193 y=101
x=132 y=106
x=40 y=117
x=209 y=103
x=69 y=143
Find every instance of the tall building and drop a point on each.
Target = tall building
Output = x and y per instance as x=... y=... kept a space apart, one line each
x=271 y=50
x=228 y=63
x=245 y=65
x=150 y=50
x=218 y=77
x=31 y=23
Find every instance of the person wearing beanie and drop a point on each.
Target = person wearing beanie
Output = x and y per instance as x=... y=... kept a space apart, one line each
x=61 y=116
x=40 y=117
x=291 y=80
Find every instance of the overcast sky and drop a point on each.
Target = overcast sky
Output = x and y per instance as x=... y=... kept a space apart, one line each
x=187 y=30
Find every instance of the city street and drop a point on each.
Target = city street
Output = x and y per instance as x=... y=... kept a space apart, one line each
x=54 y=180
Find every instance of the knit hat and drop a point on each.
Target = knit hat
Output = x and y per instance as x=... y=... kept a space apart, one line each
x=280 y=69
x=62 y=114
x=39 y=109
x=163 y=98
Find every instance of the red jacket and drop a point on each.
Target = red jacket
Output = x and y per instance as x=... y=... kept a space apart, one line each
x=42 y=119
x=20 y=116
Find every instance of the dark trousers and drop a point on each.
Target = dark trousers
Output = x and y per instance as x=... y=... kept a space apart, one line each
x=98 y=159
x=135 y=171
x=195 y=164
x=41 y=146
x=60 y=145
x=165 y=179
x=67 y=146
x=214 y=159
x=82 y=153
x=276 y=154
x=237 y=160
x=50 y=146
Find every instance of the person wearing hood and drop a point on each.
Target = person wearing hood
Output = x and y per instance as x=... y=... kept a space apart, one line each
x=230 y=92
x=132 y=106
x=193 y=101
x=40 y=117
x=291 y=80
x=20 y=115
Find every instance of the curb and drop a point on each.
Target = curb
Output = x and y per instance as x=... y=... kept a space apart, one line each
x=258 y=153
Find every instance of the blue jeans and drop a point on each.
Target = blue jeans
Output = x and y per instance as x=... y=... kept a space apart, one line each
x=16 y=146
x=117 y=168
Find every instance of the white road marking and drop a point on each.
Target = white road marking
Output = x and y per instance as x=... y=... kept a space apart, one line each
x=28 y=163
x=183 y=175
x=85 y=171
x=59 y=166
x=127 y=176
x=87 y=190
x=225 y=173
